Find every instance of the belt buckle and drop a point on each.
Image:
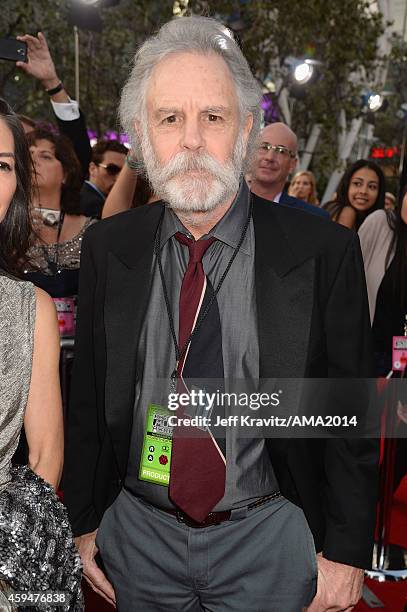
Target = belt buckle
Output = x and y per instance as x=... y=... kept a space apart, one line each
x=189 y=522
x=183 y=518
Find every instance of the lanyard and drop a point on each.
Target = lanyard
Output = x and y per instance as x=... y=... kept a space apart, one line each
x=53 y=264
x=180 y=352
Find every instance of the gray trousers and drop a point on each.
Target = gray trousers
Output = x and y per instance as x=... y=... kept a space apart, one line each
x=261 y=561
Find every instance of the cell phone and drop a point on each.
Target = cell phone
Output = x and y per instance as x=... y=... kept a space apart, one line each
x=13 y=50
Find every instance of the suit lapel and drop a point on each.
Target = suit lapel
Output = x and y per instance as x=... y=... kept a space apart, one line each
x=284 y=294
x=128 y=282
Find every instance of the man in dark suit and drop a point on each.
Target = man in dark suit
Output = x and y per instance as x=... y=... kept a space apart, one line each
x=241 y=521
x=274 y=161
x=108 y=157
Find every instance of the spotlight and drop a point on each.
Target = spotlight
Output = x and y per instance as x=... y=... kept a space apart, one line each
x=375 y=102
x=402 y=111
x=85 y=14
x=301 y=71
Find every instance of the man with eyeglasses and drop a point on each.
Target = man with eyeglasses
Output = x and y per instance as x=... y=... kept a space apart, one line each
x=275 y=160
x=108 y=157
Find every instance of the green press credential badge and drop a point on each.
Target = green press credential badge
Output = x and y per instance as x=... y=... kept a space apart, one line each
x=156 y=454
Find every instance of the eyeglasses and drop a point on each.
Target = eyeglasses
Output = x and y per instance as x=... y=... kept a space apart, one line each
x=111 y=169
x=279 y=149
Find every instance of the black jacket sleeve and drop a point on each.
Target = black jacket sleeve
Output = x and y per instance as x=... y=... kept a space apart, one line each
x=82 y=418
x=351 y=464
x=77 y=133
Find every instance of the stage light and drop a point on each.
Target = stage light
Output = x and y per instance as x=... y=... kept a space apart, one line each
x=375 y=102
x=402 y=111
x=86 y=14
x=303 y=73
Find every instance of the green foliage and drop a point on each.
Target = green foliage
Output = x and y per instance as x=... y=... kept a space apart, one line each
x=343 y=35
x=104 y=57
x=388 y=125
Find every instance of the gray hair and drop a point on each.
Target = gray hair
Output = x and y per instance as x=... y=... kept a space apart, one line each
x=197 y=35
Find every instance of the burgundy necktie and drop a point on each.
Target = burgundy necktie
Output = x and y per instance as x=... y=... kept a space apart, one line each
x=198 y=468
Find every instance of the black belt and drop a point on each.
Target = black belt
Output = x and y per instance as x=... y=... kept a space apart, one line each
x=215 y=518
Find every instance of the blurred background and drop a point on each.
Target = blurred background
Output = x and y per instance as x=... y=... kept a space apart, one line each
x=335 y=71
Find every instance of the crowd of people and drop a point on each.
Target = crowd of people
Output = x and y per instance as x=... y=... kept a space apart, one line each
x=231 y=187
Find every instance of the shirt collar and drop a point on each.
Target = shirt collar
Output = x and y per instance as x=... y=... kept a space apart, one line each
x=99 y=191
x=228 y=229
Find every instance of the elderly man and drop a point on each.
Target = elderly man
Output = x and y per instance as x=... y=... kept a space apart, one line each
x=275 y=160
x=228 y=523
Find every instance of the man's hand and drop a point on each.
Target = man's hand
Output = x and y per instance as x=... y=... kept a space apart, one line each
x=339 y=587
x=40 y=64
x=92 y=574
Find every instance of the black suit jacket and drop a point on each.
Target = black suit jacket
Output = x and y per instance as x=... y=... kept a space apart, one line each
x=77 y=133
x=91 y=202
x=313 y=320
x=288 y=200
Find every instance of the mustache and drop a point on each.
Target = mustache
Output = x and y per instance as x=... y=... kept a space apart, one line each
x=185 y=162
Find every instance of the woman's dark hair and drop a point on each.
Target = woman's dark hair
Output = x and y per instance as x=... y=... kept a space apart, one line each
x=65 y=153
x=15 y=229
x=342 y=199
x=398 y=246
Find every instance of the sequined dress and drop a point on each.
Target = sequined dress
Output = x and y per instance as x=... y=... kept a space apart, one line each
x=36 y=547
x=55 y=268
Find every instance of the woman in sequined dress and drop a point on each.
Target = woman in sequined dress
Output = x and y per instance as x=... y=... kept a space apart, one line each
x=58 y=225
x=37 y=553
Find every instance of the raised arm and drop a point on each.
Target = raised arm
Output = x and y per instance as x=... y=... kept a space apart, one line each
x=43 y=420
x=71 y=121
x=121 y=195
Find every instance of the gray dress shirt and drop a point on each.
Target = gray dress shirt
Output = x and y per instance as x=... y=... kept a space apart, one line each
x=249 y=474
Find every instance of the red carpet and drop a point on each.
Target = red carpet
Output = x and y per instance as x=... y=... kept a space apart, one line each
x=392 y=594
x=398 y=529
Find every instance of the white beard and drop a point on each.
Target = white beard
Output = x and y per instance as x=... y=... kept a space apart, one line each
x=211 y=184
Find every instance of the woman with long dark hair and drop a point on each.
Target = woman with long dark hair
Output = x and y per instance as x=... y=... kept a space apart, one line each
x=360 y=193
x=383 y=239
x=37 y=551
